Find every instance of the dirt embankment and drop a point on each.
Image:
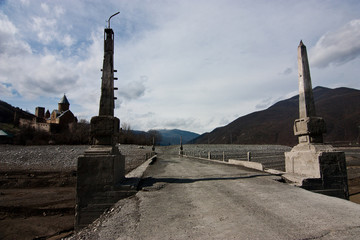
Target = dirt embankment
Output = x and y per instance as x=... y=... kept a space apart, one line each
x=37 y=188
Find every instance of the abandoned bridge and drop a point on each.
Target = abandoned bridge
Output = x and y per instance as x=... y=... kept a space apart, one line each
x=187 y=198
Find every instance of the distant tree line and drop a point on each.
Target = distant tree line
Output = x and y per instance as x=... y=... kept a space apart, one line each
x=79 y=133
x=129 y=136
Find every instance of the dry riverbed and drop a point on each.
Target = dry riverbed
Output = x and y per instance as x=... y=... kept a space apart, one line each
x=37 y=188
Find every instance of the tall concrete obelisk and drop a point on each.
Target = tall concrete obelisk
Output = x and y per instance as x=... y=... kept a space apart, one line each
x=101 y=169
x=309 y=128
x=318 y=166
x=105 y=127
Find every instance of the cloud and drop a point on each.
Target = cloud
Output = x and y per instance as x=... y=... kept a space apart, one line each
x=174 y=123
x=25 y=2
x=10 y=44
x=224 y=121
x=6 y=90
x=205 y=61
x=264 y=103
x=45 y=28
x=50 y=27
x=44 y=7
x=337 y=47
x=178 y=122
x=287 y=71
x=32 y=75
x=48 y=32
x=59 y=11
x=132 y=90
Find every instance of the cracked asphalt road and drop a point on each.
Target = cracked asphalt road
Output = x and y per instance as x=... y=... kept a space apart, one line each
x=185 y=198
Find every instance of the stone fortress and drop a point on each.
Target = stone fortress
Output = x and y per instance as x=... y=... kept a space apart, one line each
x=61 y=118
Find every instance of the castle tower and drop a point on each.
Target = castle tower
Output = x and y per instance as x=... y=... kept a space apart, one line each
x=40 y=112
x=47 y=114
x=64 y=104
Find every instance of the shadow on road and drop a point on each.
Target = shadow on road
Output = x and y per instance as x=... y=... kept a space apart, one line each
x=150 y=181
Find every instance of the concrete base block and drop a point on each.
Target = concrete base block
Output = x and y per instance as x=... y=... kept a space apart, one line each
x=253 y=165
x=321 y=168
x=99 y=174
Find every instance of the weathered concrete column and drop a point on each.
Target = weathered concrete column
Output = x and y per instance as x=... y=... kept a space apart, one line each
x=105 y=127
x=318 y=166
x=102 y=167
x=153 y=145
x=248 y=156
x=309 y=128
x=107 y=84
x=181 y=152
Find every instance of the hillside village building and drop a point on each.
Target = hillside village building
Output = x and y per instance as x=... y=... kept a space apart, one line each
x=61 y=118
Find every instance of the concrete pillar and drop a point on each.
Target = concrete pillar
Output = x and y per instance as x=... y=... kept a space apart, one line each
x=322 y=169
x=309 y=128
x=107 y=85
x=101 y=169
x=306 y=99
x=249 y=156
x=153 y=145
x=181 y=152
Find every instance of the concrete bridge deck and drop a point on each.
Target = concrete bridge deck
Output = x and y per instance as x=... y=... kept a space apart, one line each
x=184 y=198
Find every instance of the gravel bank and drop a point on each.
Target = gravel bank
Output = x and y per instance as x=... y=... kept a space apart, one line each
x=58 y=157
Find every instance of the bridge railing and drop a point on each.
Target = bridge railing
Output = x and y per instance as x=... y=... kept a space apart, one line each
x=273 y=159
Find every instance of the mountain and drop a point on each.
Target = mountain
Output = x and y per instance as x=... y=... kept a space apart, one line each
x=7 y=113
x=172 y=137
x=339 y=107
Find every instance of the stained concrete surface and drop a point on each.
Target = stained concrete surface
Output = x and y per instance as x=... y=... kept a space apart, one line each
x=185 y=198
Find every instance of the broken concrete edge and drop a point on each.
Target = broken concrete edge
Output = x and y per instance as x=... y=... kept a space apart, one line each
x=139 y=171
x=294 y=179
x=252 y=165
x=137 y=174
x=290 y=178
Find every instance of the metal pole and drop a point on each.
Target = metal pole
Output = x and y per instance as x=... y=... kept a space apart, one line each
x=111 y=17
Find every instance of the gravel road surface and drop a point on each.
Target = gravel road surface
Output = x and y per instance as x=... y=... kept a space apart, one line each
x=185 y=198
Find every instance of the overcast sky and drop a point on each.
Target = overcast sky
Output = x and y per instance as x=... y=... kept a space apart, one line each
x=191 y=65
